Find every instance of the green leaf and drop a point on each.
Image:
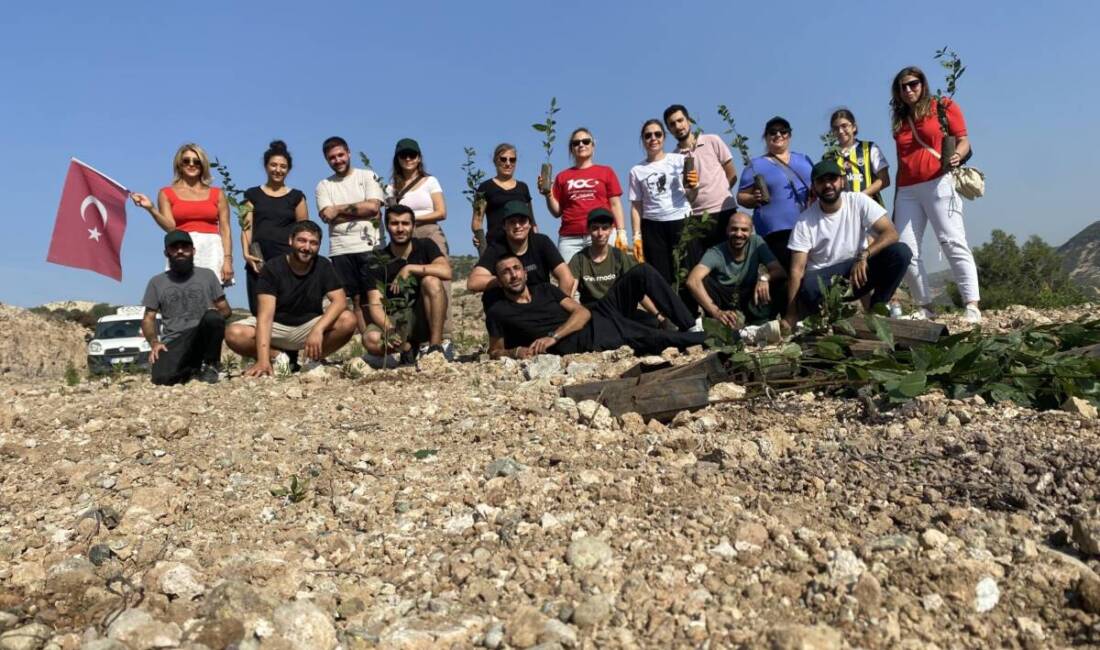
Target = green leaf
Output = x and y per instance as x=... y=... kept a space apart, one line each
x=421 y=454
x=830 y=350
x=540 y=127
x=881 y=328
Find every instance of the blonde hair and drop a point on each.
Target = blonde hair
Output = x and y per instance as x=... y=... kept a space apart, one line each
x=204 y=177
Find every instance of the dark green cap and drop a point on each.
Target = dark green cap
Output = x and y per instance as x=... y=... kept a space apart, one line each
x=177 y=237
x=407 y=144
x=827 y=167
x=516 y=209
x=600 y=215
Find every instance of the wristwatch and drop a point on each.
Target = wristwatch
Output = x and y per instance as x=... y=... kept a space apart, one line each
x=764 y=277
x=554 y=335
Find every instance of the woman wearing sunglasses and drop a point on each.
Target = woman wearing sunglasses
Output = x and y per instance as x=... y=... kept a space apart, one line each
x=659 y=201
x=498 y=191
x=580 y=189
x=926 y=193
x=861 y=160
x=192 y=205
x=787 y=174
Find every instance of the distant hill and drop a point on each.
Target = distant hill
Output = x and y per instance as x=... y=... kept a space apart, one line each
x=1081 y=258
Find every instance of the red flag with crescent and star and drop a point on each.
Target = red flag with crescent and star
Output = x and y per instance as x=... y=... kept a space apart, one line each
x=91 y=222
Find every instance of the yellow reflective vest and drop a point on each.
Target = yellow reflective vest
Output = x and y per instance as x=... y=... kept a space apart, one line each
x=857 y=165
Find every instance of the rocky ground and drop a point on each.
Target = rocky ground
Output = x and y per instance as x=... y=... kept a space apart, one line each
x=468 y=505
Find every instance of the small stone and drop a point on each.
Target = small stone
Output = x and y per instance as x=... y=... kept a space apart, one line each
x=1086 y=532
x=931 y=602
x=138 y=629
x=1081 y=407
x=804 y=637
x=316 y=375
x=294 y=392
x=174 y=428
x=724 y=550
x=305 y=626
x=844 y=567
x=726 y=392
x=588 y=553
x=1088 y=588
x=28 y=637
x=593 y=413
x=459 y=524
x=220 y=633
x=868 y=592
x=494 y=637
x=591 y=611
x=502 y=467
x=100 y=553
x=581 y=370
x=1030 y=628
x=542 y=366
x=556 y=631
x=632 y=424
x=7 y=620
x=175 y=580
x=933 y=539
x=986 y=595
x=525 y=627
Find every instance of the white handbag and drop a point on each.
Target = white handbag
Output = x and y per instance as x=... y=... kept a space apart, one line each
x=969 y=181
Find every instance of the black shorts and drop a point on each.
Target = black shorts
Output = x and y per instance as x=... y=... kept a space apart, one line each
x=351 y=267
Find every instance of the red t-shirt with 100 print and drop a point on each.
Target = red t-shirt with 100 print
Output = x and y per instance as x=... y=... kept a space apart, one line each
x=579 y=191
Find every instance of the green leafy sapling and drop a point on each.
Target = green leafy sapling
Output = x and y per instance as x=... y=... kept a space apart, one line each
x=954 y=69
x=549 y=133
x=740 y=143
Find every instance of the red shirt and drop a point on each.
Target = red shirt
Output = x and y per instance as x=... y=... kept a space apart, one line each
x=579 y=191
x=195 y=216
x=915 y=163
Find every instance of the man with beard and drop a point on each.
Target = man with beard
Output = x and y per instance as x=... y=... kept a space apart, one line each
x=598 y=266
x=540 y=319
x=714 y=164
x=350 y=202
x=733 y=281
x=291 y=314
x=538 y=252
x=193 y=310
x=844 y=234
x=420 y=319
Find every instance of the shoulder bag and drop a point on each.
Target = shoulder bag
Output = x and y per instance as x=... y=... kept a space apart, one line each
x=969 y=181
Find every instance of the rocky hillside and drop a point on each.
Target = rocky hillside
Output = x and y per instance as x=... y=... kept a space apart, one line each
x=469 y=505
x=1081 y=257
x=34 y=346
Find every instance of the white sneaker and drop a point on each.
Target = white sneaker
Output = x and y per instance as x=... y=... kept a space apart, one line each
x=973 y=315
x=448 y=350
x=896 y=311
x=921 y=313
x=698 y=327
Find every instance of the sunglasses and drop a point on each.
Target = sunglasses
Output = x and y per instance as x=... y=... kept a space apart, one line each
x=653 y=135
x=408 y=155
x=505 y=160
x=774 y=132
x=580 y=141
x=911 y=85
x=187 y=162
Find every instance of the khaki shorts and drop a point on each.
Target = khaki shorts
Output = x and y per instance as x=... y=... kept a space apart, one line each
x=285 y=337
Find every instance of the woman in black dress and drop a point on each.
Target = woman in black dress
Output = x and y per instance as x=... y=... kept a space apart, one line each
x=274 y=210
x=498 y=191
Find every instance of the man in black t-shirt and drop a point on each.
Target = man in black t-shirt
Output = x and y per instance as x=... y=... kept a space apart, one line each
x=540 y=319
x=410 y=271
x=291 y=314
x=538 y=253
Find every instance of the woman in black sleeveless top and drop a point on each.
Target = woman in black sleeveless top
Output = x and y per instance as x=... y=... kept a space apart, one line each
x=275 y=209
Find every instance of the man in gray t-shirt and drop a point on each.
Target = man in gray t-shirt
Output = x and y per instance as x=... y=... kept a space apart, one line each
x=193 y=309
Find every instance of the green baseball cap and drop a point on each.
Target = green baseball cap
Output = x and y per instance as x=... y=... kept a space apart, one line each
x=516 y=209
x=407 y=144
x=600 y=215
x=827 y=167
x=177 y=237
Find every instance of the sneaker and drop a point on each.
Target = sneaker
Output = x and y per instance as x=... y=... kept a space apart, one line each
x=391 y=360
x=437 y=348
x=896 y=311
x=921 y=313
x=448 y=350
x=408 y=357
x=698 y=327
x=209 y=374
x=973 y=315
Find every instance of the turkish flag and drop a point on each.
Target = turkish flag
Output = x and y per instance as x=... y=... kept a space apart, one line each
x=91 y=222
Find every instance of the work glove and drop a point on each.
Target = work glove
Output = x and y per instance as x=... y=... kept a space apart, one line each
x=620 y=240
x=638 y=251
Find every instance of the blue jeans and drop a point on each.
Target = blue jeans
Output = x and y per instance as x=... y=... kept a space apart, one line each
x=884 y=273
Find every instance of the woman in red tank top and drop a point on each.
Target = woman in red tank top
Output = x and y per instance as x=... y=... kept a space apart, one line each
x=192 y=205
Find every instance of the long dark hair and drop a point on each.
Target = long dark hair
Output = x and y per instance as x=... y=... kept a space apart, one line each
x=899 y=110
x=398 y=174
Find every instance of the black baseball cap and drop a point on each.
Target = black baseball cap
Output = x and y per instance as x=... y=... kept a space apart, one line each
x=407 y=144
x=600 y=215
x=828 y=167
x=516 y=209
x=177 y=237
x=777 y=122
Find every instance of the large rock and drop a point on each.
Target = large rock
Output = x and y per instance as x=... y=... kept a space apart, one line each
x=28 y=637
x=305 y=626
x=138 y=629
x=37 y=346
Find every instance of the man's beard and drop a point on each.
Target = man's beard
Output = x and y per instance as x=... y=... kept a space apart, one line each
x=513 y=292
x=181 y=265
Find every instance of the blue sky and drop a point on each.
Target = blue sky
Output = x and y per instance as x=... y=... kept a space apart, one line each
x=120 y=85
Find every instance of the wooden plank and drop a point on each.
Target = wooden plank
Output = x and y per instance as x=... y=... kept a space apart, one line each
x=863 y=349
x=1087 y=351
x=593 y=390
x=661 y=400
x=906 y=332
x=711 y=366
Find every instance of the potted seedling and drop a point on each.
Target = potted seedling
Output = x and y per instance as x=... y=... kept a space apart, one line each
x=235 y=198
x=831 y=145
x=740 y=143
x=689 y=158
x=474 y=177
x=546 y=174
x=950 y=62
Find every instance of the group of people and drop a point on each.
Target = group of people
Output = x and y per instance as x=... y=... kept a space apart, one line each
x=588 y=290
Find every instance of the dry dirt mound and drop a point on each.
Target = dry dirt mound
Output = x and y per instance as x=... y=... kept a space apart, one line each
x=36 y=346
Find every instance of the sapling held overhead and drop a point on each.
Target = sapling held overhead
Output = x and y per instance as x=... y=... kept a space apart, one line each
x=549 y=131
x=954 y=68
x=741 y=144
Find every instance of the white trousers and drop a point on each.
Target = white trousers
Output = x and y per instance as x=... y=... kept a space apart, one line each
x=570 y=246
x=935 y=202
x=208 y=252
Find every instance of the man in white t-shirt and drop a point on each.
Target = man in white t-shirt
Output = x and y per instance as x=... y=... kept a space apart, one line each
x=830 y=239
x=350 y=202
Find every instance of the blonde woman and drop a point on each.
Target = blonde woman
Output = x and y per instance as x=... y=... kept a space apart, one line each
x=193 y=205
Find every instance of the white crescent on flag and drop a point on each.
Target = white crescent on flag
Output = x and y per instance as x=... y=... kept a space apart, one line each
x=91 y=200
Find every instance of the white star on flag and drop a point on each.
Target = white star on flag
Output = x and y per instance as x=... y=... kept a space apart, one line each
x=93 y=233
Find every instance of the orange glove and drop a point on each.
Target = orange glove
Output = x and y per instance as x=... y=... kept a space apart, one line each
x=638 y=253
x=620 y=240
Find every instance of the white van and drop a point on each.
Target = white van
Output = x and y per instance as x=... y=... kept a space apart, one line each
x=117 y=342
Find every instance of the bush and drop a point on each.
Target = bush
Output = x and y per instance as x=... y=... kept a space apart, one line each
x=1031 y=276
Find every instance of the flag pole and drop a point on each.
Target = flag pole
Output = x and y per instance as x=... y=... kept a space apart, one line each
x=84 y=164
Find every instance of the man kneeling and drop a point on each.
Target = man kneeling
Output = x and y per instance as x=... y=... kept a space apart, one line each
x=425 y=302
x=830 y=239
x=542 y=319
x=291 y=314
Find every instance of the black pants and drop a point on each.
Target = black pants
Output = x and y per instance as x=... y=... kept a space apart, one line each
x=777 y=242
x=698 y=247
x=270 y=250
x=884 y=274
x=740 y=297
x=186 y=354
x=613 y=324
x=659 y=238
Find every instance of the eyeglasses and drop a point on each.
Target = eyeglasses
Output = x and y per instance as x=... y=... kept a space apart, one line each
x=189 y=162
x=504 y=160
x=579 y=142
x=408 y=155
x=911 y=85
x=653 y=135
x=774 y=132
